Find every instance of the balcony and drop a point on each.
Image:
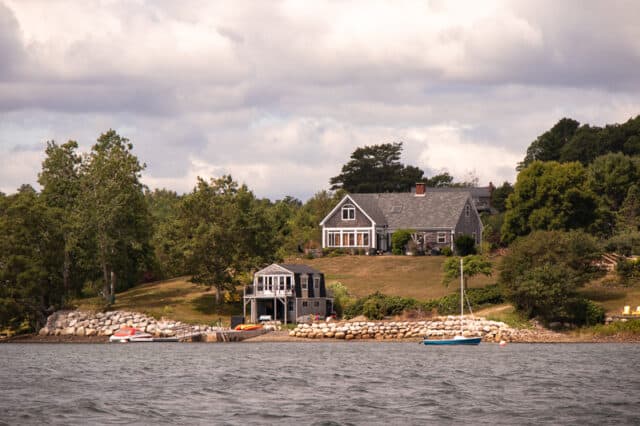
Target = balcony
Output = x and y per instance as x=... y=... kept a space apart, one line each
x=260 y=291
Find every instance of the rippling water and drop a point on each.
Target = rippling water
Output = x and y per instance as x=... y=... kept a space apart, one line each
x=319 y=383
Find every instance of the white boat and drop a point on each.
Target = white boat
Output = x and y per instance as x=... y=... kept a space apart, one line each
x=459 y=339
x=130 y=335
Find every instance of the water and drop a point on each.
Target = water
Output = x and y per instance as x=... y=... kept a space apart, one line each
x=322 y=383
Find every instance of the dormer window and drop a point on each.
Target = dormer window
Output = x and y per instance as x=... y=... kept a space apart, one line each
x=467 y=210
x=348 y=212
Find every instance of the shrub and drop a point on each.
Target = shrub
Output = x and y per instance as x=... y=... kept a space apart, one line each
x=341 y=298
x=399 y=240
x=465 y=245
x=446 y=251
x=628 y=269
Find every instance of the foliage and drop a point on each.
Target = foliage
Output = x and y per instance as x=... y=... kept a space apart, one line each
x=628 y=269
x=549 y=196
x=465 y=245
x=399 y=240
x=446 y=251
x=341 y=298
x=226 y=232
x=114 y=213
x=618 y=328
x=567 y=141
x=628 y=217
x=543 y=271
x=625 y=244
x=492 y=224
x=31 y=249
x=376 y=306
x=611 y=176
x=472 y=265
x=376 y=168
x=499 y=196
x=477 y=298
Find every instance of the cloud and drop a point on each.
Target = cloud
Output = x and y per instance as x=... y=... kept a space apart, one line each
x=279 y=94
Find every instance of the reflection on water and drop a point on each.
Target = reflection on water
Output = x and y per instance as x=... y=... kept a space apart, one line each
x=319 y=383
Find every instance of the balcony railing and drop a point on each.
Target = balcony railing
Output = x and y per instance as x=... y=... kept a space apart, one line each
x=251 y=290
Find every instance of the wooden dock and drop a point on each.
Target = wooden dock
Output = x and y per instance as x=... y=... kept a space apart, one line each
x=221 y=336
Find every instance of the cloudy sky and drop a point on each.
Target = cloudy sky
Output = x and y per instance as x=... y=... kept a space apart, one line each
x=279 y=93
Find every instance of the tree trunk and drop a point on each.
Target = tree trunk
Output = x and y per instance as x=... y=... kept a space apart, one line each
x=113 y=285
x=218 y=294
x=105 y=277
x=65 y=273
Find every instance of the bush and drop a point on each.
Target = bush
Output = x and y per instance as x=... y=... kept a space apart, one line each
x=399 y=240
x=377 y=306
x=624 y=244
x=477 y=297
x=465 y=245
x=628 y=269
x=446 y=251
x=341 y=298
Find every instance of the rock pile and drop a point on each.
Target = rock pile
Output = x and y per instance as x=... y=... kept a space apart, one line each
x=436 y=328
x=82 y=323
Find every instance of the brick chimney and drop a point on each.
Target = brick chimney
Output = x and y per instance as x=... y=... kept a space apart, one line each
x=421 y=189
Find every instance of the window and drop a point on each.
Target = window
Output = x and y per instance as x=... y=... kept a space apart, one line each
x=334 y=238
x=288 y=283
x=348 y=212
x=363 y=239
x=442 y=237
x=316 y=304
x=305 y=304
x=316 y=283
x=304 y=282
x=348 y=239
x=467 y=210
x=281 y=284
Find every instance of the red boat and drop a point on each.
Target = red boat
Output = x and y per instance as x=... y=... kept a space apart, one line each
x=130 y=334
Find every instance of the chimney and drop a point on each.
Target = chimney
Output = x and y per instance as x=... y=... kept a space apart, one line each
x=420 y=189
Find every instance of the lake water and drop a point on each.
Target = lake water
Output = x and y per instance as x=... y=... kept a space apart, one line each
x=324 y=383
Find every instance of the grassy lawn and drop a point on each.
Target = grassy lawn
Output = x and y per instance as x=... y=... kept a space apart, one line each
x=612 y=296
x=176 y=299
x=419 y=277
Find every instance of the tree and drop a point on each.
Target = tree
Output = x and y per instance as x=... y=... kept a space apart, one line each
x=115 y=212
x=628 y=217
x=30 y=249
x=227 y=233
x=465 y=245
x=542 y=272
x=376 y=168
x=549 y=196
x=441 y=180
x=60 y=181
x=611 y=176
x=471 y=266
x=499 y=196
x=547 y=146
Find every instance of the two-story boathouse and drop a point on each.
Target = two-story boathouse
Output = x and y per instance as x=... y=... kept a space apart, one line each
x=286 y=292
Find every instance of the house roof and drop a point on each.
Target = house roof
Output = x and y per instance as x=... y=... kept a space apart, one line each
x=279 y=268
x=438 y=208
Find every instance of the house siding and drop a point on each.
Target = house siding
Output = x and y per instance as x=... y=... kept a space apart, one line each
x=336 y=221
x=469 y=225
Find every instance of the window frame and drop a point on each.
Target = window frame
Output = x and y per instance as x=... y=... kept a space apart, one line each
x=443 y=236
x=350 y=211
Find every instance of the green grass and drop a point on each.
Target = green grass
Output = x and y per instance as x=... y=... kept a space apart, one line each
x=177 y=299
x=419 y=277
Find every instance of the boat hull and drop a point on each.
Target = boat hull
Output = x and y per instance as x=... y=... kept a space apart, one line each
x=458 y=341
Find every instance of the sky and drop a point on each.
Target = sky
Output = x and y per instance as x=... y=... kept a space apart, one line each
x=280 y=93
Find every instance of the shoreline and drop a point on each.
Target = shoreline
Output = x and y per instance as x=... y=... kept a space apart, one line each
x=284 y=337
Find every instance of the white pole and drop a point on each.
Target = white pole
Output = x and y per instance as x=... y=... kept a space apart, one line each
x=461 y=295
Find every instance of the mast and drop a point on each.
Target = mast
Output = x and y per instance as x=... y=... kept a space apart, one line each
x=461 y=295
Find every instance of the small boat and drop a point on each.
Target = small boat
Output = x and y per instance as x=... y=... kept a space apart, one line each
x=460 y=339
x=247 y=327
x=130 y=335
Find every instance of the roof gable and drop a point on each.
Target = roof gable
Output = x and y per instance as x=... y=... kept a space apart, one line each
x=348 y=198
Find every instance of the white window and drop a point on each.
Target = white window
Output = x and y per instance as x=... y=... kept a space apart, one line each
x=442 y=237
x=281 y=286
x=316 y=284
x=304 y=282
x=334 y=238
x=348 y=212
x=348 y=238
x=363 y=239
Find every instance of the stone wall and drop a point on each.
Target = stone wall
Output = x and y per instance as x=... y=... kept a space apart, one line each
x=436 y=328
x=83 y=323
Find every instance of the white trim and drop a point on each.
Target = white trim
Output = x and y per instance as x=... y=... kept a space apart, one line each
x=340 y=204
x=348 y=208
x=341 y=231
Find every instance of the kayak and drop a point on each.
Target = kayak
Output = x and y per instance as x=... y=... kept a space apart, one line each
x=247 y=327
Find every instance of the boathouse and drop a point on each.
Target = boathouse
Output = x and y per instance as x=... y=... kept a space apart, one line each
x=287 y=292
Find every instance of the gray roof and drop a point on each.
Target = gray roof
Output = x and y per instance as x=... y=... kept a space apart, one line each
x=298 y=268
x=439 y=208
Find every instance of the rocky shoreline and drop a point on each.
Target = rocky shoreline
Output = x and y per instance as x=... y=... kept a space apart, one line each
x=90 y=327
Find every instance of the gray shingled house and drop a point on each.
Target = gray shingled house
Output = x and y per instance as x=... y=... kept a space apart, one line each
x=367 y=221
x=286 y=292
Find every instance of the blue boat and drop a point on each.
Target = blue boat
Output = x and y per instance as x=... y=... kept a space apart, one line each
x=457 y=340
